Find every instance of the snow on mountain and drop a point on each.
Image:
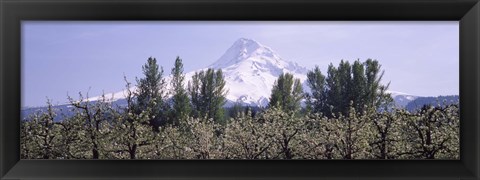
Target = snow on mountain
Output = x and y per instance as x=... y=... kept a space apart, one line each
x=111 y=97
x=401 y=99
x=250 y=70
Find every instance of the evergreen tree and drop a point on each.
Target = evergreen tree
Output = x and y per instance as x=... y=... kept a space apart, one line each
x=194 y=91
x=219 y=96
x=332 y=91
x=345 y=86
x=207 y=91
x=151 y=93
x=315 y=100
x=287 y=93
x=236 y=110
x=181 y=102
x=376 y=95
x=359 y=83
x=358 y=89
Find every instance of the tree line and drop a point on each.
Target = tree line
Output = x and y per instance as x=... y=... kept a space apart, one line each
x=346 y=114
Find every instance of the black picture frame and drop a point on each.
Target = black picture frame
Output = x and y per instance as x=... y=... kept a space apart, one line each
x=12 y=12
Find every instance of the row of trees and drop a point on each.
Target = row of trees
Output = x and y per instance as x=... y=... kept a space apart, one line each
x=333 y=94
x=342 y=120
x=431 y=133
x=204 y=97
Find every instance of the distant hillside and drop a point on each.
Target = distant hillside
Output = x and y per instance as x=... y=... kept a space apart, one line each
x=439 y=100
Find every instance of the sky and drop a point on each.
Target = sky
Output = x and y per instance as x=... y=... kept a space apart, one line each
x=61 y=58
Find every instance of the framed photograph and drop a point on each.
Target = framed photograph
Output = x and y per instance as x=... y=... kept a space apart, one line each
x=239 y=89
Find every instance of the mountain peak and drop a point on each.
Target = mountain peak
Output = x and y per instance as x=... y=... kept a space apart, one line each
x=243 y=49
x=246 y=42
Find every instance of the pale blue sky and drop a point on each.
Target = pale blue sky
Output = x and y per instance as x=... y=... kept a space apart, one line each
x=419 y=57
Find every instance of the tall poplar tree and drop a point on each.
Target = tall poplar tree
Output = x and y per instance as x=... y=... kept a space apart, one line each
x=358 y=89
x=346 y=86
x=207 y=91
x=375 y=91
x=287 y=93
x=315 y=100
x=181 y=102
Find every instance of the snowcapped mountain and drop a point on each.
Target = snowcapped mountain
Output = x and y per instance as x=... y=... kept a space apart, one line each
x=401 y=99
x=250 y=70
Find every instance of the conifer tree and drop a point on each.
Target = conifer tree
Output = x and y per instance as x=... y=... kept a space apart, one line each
x=151 y=93
x=207 y=91
x=358 y=89
x=359 y=83
x=376 y=95
x=181 y=102
x=194 y=91
x=287 y=93
x=345 y=85
x=219 y=96
x=236 y=110
x=315 y=100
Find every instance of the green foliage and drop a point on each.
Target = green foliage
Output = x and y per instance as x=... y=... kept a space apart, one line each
x=151 y=93
x=315 y=101
x=287 y=93
x=207 y=91
x=236 y=110
x=181 y=102
x=358 y=83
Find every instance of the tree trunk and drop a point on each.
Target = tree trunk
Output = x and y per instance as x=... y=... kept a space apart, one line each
x=95 y=151
x=133 y=152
